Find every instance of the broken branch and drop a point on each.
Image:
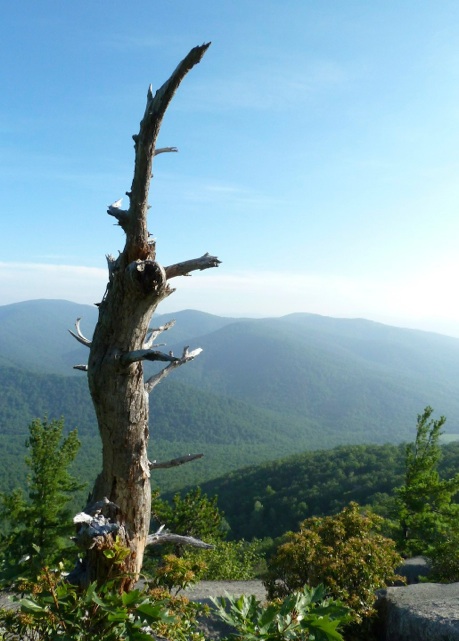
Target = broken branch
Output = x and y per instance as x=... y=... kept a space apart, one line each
x=146 y=355
x=164 y=536
x=79 y=336
x=181 y=460
x=164 y=150
x=187 y=356
x=183 y=269
x=121 y=215
x=154 y=333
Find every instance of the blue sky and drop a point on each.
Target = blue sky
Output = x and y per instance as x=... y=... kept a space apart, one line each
x=318 y=152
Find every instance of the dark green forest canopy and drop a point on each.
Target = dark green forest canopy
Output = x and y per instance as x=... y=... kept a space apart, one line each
x=258 y=501
x=229 y=432
x=268 y=500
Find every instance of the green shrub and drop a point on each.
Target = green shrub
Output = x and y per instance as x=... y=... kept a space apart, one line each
x=231 y=561
x=50 y=608
x=194 y=514
x=306 y=614
x=345 y=552
x=177 y=572
x=55 y=609
x=444 y=560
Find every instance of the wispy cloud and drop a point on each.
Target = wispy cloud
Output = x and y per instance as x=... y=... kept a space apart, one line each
x=196 y=190
x=27 y=281
x=270 y=85
x=426 y=301
x=420 y=302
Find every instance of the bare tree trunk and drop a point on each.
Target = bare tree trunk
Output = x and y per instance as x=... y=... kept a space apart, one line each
x=121 y=342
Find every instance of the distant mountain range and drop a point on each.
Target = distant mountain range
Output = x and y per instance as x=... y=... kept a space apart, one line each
x=261 y=389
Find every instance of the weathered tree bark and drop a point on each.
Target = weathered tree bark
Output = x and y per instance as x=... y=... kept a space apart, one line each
x=122 y=341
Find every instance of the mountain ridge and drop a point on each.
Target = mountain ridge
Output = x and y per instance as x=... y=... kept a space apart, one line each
x=261 y=388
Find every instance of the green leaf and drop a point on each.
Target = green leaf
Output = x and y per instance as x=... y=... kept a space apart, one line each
x=268 y=616
x=118 y=615
x=153 y=613
x=323 y=628
x=27 y=605
x=129 y=598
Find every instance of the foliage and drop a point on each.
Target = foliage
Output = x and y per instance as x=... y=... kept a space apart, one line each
x=233 y=561
x=55 y=609
x=191 y=515
x=39 y=526
x=194 y=514
x=426 y=511
x=184 y=624
x=344 y=552
x=305 y=614
x=197 y=515
x=444 y=558
x=177 y=572
x=275 y=497
x=169 y=578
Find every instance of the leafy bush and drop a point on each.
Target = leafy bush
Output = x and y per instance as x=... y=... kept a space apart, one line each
x=444 y=559
x=197 y=515
x=344 y=552
x=194 y=514
x=233 y=561
x=176 y=572
x=306 y=614
x=51 y=608
x=55 y=609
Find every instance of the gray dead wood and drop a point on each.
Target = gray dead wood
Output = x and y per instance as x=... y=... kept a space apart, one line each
x=180 y=460
x=122 y=341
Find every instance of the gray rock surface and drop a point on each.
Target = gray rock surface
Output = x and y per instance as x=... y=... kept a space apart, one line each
x=421 y=612
x=414 y=568
x=203 y=590
x=212 y=627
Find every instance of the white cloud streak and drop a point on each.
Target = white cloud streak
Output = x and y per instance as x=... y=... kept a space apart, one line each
x=271 y=85
x=425 y=301
x=28 y=281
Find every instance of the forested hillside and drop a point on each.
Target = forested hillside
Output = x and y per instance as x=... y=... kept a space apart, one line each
x=262 y=388
x=268 y=500
x=230 y=433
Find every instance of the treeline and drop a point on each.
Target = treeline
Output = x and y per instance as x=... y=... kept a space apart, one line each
x=268 y=500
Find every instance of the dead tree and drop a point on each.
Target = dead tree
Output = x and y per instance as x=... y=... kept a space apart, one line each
x=122 y=340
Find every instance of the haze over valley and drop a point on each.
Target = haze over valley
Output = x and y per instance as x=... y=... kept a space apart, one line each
x=262 y=389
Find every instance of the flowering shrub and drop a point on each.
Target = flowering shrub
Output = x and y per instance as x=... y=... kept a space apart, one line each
x=344 y=552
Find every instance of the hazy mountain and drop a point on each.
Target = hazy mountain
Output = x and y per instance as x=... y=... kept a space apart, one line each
x=261 y=389
x=34 y=334
x=364 y=381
